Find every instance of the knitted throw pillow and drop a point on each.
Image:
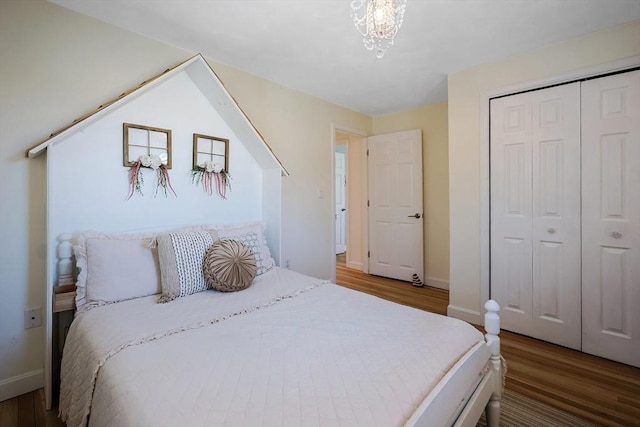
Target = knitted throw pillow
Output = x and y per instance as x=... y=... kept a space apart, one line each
x=229 y=266
x=180 y=255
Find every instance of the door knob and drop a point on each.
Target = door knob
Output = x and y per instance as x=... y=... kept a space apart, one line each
x=616 y=234
x=551 y=230
x=343 y=209
x=414 y=216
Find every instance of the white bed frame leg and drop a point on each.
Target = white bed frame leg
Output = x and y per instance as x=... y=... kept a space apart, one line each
x=492 y=327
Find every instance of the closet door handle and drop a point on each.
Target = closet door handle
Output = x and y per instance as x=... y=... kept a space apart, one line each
x=616 y=234
x=551 y=230
x=414 y=216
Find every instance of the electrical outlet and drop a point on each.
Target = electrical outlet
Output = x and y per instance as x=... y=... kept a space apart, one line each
x=32 y=318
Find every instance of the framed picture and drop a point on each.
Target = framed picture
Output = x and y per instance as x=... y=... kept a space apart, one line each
x=139 y=140
x=210 y=148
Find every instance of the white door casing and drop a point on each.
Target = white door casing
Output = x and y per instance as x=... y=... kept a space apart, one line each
x=611 y=217
x=396 y=247
x=535 y=212
x=341 y=203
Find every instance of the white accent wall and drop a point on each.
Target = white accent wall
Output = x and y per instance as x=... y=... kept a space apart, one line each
x=89 y=184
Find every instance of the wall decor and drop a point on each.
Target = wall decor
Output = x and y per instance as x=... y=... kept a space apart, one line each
x=211 y=163
x=151 y=147
x=210 y=148
x=139 y=140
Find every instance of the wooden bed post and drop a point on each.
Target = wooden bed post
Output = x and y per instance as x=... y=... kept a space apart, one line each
x=65 y=262
x=492 y=326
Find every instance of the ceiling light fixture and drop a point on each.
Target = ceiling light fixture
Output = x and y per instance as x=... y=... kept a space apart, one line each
x=378 y=21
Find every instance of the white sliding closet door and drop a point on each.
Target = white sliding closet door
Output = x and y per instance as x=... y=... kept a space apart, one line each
x=611 y=217
x=535 y=213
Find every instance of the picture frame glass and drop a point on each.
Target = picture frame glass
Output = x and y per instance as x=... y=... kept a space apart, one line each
x=210 y=148
x=140 y=140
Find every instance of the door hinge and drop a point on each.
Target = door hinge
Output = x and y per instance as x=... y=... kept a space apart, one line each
x=368 y=254
x=368 y=203
x=367 y=151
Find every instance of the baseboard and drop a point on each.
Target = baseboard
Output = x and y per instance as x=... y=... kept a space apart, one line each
x=470 y=316
x=355 y=265
x=436 y=283
x=21 y=384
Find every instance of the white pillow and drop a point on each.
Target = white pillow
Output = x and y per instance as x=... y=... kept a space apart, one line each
x=115 y=267
x=252 y=235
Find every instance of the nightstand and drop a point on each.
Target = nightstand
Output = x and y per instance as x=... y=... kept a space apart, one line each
x=64 y=306
x=64 y=298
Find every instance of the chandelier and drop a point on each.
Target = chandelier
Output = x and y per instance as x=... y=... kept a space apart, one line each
x=378 y=21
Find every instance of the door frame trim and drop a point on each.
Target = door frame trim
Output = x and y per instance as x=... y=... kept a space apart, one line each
x=485 y=217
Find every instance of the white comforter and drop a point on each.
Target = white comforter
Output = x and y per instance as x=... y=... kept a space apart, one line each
x=288 y=351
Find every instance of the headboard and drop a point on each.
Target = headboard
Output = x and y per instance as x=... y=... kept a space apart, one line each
x=87 y=184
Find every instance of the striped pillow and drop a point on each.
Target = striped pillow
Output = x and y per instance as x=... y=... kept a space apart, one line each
x=180 y=256
x=229 y=266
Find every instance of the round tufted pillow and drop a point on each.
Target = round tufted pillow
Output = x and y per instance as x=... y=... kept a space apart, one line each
x=229 y=266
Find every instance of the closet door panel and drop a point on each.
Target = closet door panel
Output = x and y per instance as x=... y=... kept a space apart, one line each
x=511 y=276
x=556 y=214
x=535 y=212
x=611 y=217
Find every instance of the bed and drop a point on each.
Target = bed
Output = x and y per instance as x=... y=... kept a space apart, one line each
x=289 y=350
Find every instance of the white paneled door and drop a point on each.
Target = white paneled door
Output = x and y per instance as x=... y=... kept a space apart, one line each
x=395 y=205
x=565 y=214
x=611 y=217
x=341 y=203
x=535 y=213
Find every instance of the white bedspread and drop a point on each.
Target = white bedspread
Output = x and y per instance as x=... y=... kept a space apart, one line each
x=288 y=351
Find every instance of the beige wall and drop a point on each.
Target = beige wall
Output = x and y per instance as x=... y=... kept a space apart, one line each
x=298 y=128
x=467 y=89
x=432 y=119
x=56 y=65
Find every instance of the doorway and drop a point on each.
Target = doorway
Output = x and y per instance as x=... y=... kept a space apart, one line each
x=350 y=198
x=404 y=166
x=341 y=196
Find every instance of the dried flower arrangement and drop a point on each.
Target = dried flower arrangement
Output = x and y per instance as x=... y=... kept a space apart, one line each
x=208 y=172
x=150 y=161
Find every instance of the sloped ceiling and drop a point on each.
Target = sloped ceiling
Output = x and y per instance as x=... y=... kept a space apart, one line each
x=208 y=83
x=313 y=46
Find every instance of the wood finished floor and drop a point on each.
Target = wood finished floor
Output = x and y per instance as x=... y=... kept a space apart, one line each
x=28 y=410
x=605 y=392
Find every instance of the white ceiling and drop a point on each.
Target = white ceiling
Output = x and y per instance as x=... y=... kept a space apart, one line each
x=313 y=46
